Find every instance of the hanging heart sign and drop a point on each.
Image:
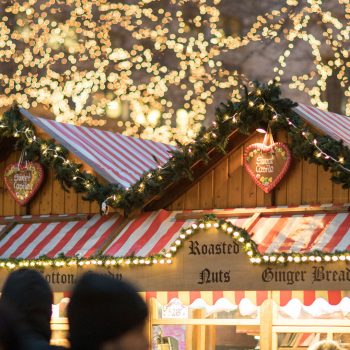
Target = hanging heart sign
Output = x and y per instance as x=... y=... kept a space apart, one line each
x=267 y=164
x=23 y=180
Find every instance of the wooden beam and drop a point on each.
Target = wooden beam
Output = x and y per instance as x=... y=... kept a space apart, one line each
x=206 y=321
x=200 y=170
x=7 y=229
x=41 y=219
x=265 y=212
x=266 y=312
x=251 y=221
x=114 y=234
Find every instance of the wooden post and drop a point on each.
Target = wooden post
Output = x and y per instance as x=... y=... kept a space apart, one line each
x=210 y=338
x=266 y=319
x=199 y=331
x=189 y=332
x=188 y=335
x=152 y=314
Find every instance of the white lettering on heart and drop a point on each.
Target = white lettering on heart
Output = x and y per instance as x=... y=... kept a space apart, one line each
x=267 y=164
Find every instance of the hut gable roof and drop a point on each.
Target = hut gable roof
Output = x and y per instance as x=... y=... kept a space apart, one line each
x=117 y=158
x=332 y=124
x=325 y=123
x=137 y=180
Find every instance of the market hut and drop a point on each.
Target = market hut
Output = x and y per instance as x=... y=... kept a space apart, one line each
x=232 y=248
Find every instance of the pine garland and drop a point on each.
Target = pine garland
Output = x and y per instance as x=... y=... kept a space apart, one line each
x=54 y=156
x=259 y=108
x=207 y=222
x=250 y=247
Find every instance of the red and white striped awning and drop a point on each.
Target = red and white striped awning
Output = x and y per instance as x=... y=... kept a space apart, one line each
x=147 y=234
x=116 y=157
x=302 y=233
x=82 y=237
x=282 y=298
x=154 y=232
x=335 y=125
x=210 y=297
x=151 y=233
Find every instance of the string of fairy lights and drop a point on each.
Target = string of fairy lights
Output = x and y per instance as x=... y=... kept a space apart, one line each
x=206 y=223
x=70 y=174
x=242 y=237
x=257 y=103
x=165 y=65
x=312 y=141
x=319 y=152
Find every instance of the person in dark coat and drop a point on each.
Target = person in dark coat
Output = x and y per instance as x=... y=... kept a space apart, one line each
x=28 y=294
x=106 y=314
x=9 y=334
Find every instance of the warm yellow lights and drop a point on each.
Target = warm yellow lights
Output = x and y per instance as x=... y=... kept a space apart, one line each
x=87 y=60
x=237 y=234
x=153 y=117
x=113 y=109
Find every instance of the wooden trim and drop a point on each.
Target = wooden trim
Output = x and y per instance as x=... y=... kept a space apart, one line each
x=312 y=329
x=42 y=219
x=25 y=210
x=266 y=311
x=265 y=211
x=7 y=229
x=251 y=221
x=200 y=170
x=311 y=322
x=110 y=239
x=207 y=321
x=59 y=320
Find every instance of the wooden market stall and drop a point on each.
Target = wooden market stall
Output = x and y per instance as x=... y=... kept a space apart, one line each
x=250 y=251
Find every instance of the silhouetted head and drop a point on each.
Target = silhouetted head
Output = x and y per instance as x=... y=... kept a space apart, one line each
x=105 y=313
x=29 y=295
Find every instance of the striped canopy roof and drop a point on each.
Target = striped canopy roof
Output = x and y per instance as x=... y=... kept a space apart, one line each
x=78 y=237
x=282 y=298
x=302 y=233
x=116 y=157
x=153 y=232
x=335 y=125
x=123 y=159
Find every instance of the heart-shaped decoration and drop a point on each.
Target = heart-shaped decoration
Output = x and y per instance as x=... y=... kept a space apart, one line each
x=267 y=164
x=23 y=180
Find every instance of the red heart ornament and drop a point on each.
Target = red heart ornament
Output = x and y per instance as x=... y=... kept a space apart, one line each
x=23 y=180
x=267 y=164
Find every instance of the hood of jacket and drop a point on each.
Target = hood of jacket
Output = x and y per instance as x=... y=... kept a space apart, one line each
x=29 y=295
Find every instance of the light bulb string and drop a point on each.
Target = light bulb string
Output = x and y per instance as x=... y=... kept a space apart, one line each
x=31 y=138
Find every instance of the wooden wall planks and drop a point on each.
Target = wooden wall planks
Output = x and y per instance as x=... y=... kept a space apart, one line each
x=228 y=185
x=50 y=199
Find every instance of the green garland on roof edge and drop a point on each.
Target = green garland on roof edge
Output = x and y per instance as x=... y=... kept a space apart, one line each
x=257 y=109
x=51 y=155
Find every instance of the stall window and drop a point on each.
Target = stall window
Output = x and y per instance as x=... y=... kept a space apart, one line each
x=221 y=326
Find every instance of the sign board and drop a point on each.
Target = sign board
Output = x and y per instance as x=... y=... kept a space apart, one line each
x=175 y=309
x=23 y=180
x=267 y=164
